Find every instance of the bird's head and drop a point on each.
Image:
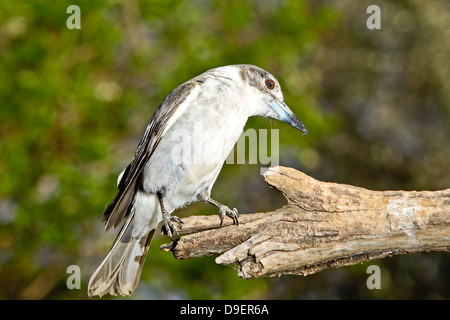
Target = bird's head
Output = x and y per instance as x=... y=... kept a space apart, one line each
x=266 y=96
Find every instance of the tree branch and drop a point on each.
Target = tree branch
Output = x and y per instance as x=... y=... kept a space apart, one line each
x=324 y=225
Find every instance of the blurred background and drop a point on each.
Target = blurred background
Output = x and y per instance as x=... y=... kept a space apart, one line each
x=74 y=105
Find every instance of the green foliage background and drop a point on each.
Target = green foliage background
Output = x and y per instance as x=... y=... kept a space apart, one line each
x=74 y=104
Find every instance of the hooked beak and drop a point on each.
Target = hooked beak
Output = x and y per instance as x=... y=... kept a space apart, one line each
x=286 y=115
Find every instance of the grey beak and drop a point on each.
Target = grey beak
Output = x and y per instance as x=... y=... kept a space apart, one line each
x=286 y=115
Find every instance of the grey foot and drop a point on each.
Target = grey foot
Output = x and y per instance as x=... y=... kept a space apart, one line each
x=224 y=211
x=169 y=227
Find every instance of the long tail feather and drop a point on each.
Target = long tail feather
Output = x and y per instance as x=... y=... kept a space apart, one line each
x=120 y=271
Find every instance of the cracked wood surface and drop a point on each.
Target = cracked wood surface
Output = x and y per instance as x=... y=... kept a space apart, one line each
x=324 y=225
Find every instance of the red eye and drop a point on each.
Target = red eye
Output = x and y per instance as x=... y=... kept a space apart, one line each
x=270 y=84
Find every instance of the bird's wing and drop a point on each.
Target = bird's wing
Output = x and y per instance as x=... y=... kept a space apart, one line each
x=158 y=124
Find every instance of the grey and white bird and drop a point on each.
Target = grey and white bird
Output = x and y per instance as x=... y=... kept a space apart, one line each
x=168 y=173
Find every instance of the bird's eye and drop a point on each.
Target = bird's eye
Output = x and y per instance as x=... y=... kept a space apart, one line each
x=270 y=84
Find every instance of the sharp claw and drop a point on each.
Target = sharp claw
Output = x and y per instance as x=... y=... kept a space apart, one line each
x=235 y=216
x=175 y=218
x=227 y=212
x=169 y=227
x=169 y=233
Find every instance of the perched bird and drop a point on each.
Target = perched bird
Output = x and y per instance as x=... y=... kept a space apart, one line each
x=168 y=173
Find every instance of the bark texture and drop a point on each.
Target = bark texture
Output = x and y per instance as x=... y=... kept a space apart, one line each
x=324 y=225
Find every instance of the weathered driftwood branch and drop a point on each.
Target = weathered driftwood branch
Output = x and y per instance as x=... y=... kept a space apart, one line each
x=324 y=225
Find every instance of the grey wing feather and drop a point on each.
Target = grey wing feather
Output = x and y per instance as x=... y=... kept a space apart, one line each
x=118 y=208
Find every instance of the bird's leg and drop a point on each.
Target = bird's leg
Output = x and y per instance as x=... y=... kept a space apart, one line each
x=169 y=227
x=224 y=211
